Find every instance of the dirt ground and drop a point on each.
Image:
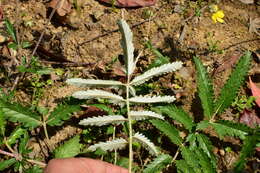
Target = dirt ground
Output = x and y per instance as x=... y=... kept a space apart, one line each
x=88 y=39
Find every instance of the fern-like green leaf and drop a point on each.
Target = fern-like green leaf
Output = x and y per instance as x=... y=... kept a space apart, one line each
x=7 y=163
x=127 y=45
x=145 y=143
x=158 y=164
x=231 y=87
x=248 y=149
x=183 y=167
x=70 y=148
x=177 y=114
x=205 y=88
x=228 y=128
x=191 y=158
x=18 y=113
x=61 y=113
x=207 y=147
x=205 y=163
x=157 y=71
x=168 y=130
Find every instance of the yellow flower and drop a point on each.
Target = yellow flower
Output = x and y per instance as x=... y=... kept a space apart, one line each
x=218 y=16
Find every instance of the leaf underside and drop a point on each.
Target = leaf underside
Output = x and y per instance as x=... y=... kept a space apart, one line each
x=116 y=144
x=103 y=120
x=152 y=99
x=140 y=115
x=91 y=82
x=146 y=143
x=157 y=71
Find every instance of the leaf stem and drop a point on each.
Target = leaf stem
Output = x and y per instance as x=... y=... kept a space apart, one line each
x=130 y=126
x=45 y=131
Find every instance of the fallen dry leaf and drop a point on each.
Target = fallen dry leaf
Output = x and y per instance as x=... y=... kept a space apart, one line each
x=254 y=25
x=249 y=118
x=255 y=91
x=63 y=7
x=1 y=13
x=132 y=3
x=230 y=61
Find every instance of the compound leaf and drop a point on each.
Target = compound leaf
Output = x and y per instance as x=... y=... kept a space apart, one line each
x=140 y=115
x=183 y=167
x=152 y=99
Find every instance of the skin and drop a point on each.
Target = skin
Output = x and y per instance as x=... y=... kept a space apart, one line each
x=82 y=165
x=132 y=3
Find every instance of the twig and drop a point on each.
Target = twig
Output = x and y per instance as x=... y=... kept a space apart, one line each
x=69 y=64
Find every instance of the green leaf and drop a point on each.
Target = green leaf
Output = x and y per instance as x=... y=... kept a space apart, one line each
x=18 y=113
x=61 y=113
x=207 y=147
x=13 y=46
x=191 y=158
x=228 y=128
x=248 y=149
x=202 y=125
x=183 y=167
x=160 y=59
x=2 y=124
x=10 y=29
x=70 y=148
x=231 y=87
x=168 y=130
x=7 y=163
x=177 y=114
x=205 y=89
x=204 y=162
x=158 y=164
x=34 y=169
x=26 y=44
x=16 y=134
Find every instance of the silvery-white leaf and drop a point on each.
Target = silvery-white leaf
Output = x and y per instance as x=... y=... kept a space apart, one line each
x=247 y=1
x=153 y=99
x=127 y=45
x=140 y=115
x=146 y=143
x=90 y=94
x=103 y=120
x=156 y=71
x=115 y=144
x=91 y=82
x=132 y=91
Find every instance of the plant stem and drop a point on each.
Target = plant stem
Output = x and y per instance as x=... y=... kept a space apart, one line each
x=45 y=131
x=130 y=128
